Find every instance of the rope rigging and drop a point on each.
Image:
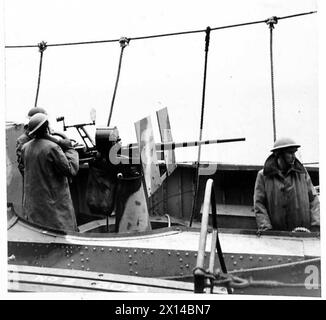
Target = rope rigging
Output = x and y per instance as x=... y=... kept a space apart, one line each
x=123 y=43
x=271 y=22
x=160 y=35
x=42 y=47
x=207 y=40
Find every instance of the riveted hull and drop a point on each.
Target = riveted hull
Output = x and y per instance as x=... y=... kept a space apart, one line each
x=171 y=253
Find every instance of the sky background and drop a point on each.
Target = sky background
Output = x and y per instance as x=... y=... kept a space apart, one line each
x=168 y=71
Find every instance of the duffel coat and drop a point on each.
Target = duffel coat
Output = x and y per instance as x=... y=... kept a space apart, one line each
x=284 y=202
x=47 y=199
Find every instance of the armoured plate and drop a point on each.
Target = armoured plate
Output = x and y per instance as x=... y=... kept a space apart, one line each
x=160 y=263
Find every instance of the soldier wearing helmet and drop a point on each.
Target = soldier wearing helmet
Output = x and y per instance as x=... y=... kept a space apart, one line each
x=284 y=196
x=25 y=137
x=35 y=110
x=46 y=166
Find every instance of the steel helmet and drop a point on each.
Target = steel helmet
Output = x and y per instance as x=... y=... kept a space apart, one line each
x=36 y=121
x=283 y=143
x=35 y=110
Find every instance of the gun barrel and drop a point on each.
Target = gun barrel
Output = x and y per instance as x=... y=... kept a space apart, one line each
x=174 y=145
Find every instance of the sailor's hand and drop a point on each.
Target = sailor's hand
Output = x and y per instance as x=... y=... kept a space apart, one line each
x=264 y=228
x=301 y=229
x=315 y=228
x=51 y=138
x=65 y=144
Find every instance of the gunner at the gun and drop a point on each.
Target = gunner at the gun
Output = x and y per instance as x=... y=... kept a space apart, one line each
x=46 y=167
x=284 y=196
x=25 y=136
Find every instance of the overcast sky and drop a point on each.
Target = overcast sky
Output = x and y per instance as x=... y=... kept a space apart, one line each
x=168 y=72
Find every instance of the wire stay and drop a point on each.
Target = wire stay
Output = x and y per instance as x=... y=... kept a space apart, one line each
x=159 y=35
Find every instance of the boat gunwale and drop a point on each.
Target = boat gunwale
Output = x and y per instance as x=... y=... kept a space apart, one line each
x=102 y=236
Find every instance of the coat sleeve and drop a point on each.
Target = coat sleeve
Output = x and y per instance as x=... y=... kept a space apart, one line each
x=66 y=163
x=19 y=151
x=262 y=218
x=314 y=204
x=20 y=157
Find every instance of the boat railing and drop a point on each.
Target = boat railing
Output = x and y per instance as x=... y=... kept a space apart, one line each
x=200 y=272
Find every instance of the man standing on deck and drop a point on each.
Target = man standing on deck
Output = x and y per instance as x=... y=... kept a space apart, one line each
x=46 y=167
x=25 y=137
x=284 y=196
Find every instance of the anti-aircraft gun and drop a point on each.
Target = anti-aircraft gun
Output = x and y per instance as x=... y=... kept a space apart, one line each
x=123 y=178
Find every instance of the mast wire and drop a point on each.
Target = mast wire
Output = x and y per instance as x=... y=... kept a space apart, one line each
x=194 y=206
x=160 y=35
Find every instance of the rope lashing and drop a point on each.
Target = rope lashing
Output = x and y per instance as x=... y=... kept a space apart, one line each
x=232 y=280
x=42 y=47
x=236 y=282
x=207 y=41
x=217 y=242
x=271 y=22
x=123 y=43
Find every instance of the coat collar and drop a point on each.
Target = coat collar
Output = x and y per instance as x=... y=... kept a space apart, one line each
x=271 y=168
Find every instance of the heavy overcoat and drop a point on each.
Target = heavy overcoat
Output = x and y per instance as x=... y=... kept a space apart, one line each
x=284 y=202
x=47 y=200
